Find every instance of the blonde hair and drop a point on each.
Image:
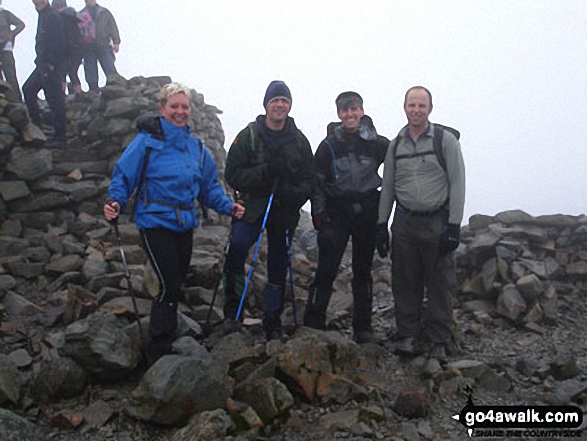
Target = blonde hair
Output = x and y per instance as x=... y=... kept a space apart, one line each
x=172 y=89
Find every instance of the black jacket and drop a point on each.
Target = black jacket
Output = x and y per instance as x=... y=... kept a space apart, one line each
x=50 y=39
x=346 y=168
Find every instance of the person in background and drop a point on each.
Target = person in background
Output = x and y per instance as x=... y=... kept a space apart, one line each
x=270 y=156
x=345 y=204
x=429 y=203
x=10 y=27
x=170 y=169
x=49 y=72
x=105 y=46
x=73 y=54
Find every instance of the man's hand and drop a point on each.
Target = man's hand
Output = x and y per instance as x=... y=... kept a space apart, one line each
x=320 y=219
x=450 y=239
x=115 y=48
x=382 y=239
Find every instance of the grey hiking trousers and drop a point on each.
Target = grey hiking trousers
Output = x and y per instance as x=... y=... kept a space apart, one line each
x=419 y=274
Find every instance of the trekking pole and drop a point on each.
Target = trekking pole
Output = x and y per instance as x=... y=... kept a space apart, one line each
x=114 y=223
x=250 y=273
x=224 y=254
x=291 y=280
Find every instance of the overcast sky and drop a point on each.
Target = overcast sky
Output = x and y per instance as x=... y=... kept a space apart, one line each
x=510 y=75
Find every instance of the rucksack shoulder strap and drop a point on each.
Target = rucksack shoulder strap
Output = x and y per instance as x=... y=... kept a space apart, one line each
x=252 y=134
x=334 y=162
x=437 y=144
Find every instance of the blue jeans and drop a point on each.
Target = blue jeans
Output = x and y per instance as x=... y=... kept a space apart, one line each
x=51 y=82
x=93 y=54
x=244 y=235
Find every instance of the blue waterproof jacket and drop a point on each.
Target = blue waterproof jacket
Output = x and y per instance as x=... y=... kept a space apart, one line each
x=179 y=169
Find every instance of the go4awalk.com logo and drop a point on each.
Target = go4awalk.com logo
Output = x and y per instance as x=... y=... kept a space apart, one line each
x=520 y=421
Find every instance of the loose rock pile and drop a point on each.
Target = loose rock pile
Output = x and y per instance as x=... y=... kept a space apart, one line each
x=71 y=363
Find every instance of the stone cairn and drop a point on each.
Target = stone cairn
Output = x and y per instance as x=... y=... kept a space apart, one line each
x=67 y=320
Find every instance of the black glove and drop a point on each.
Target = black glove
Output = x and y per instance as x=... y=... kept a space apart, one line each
x=450 y=239
x=382 y=239
x=278 y=167
x=320 y=219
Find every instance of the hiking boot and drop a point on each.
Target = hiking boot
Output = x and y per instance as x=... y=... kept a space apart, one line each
x=272 y=328
x=229 y=326
x=56 y=142
x=438 y=352
x=407 y=346
x=362 y=337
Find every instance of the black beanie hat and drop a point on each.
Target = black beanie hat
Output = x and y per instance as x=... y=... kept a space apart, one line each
x=276 y=89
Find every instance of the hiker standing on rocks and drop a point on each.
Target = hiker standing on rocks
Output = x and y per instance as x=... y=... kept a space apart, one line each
x=73 y=54
x=10 y=27
x=429 y=199
x=49 y=72
x=105 y=45
x=269 y=156
x=345 y=204
x=169 y=169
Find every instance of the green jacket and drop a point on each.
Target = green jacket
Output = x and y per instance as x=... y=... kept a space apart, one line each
x=106 y=28
x=247 y=171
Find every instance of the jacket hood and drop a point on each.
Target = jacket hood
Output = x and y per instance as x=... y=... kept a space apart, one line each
x=367 y=130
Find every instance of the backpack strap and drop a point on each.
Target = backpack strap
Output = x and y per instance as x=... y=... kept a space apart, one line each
x=137 y=193
x=436 y=145
x=334 y=162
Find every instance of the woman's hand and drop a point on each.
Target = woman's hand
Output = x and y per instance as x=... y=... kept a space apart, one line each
x=237 y=210
x=111 y=210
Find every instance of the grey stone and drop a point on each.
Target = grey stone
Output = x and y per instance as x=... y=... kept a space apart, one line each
x=268 y=396
x=29 y=164
x=510 y=303
x=12 y=190
x=101 y=347
x=16 y=428
x=177 y=387
x=66 y=264
x=60 y=377
x=10 y=382
x=530 y=287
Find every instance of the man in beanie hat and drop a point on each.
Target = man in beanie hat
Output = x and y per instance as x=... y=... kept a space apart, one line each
x=10 y=27
x=269 y=156
x=345 y=204
x=49 y=72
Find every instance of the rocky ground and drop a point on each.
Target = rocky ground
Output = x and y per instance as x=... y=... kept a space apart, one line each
x=497 y=361
x=70 y=355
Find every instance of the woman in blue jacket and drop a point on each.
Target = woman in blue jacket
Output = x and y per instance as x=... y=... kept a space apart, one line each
x=170 y=168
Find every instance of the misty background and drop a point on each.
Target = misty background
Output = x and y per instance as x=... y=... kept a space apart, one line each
x=509 y=75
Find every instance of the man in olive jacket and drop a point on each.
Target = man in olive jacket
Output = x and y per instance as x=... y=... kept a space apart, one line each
x=270 y=156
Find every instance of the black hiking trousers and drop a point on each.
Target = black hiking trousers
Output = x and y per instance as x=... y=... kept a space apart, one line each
x=333 y=238
x=170 y=253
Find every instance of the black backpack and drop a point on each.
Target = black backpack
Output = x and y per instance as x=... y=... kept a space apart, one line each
x=73 y=35
x=437 y=145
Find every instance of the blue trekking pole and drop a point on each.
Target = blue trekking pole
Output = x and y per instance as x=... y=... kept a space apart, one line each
x=291 y=280
x=240 y=306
